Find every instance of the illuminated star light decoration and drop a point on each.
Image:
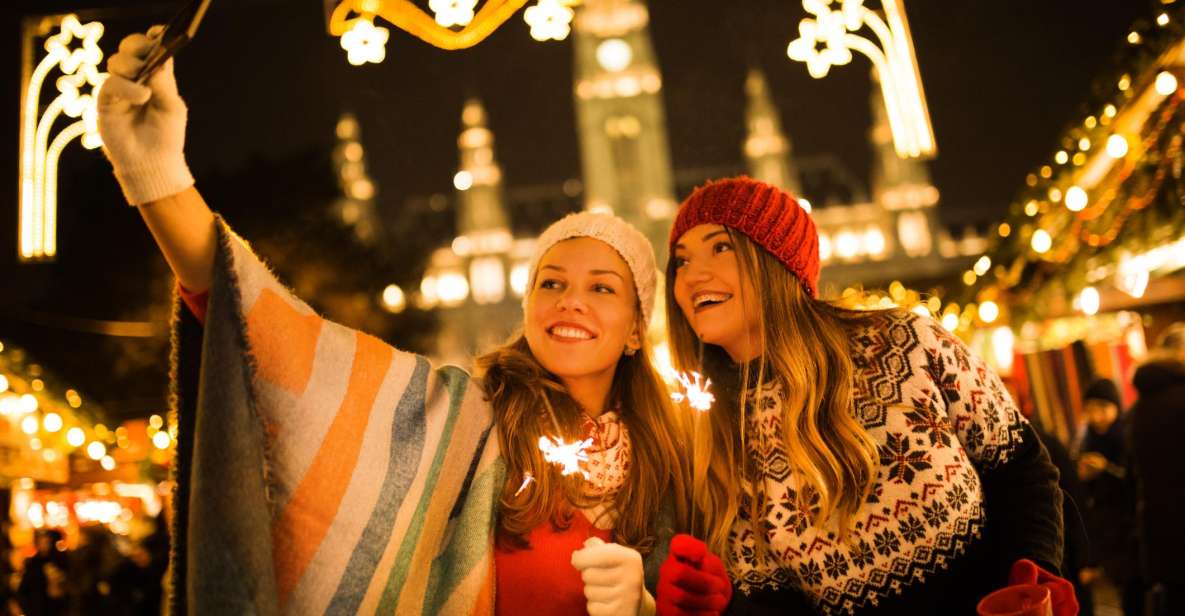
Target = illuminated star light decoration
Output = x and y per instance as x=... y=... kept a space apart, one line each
x=695 y=391
x=39 y=154
x=567 y=456
x=829 y=39
x=451 y=13
x=550 y=20
x=365 y=42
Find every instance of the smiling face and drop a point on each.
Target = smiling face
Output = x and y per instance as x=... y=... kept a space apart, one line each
x=582 y=311
x=718 y=301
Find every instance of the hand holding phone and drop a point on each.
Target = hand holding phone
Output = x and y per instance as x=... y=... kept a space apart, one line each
x=176 y=34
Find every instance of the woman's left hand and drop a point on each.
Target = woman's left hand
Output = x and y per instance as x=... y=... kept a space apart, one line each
x=613 y=579
x=1061 y=591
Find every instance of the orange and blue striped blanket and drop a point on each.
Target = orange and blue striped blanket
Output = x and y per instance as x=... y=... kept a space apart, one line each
x=321 y=471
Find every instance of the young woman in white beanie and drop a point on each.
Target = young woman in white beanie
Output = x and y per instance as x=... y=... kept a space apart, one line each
x=321 y=471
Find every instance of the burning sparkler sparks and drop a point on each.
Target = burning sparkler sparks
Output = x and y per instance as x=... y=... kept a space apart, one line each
x=528 y=478
x=567 y=456
x=695 y=391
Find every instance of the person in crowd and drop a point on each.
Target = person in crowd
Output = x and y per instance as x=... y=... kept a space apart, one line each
x=92 y=563
x=8 y=579
x=43 y=587
x=321 y=470
x=865 y=461
x=1110 y=495
x=1158 y=434
x=1077 y=543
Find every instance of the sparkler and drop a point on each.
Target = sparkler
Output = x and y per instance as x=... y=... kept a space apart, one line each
x=567 y=456
x=695 y=391
x=528 y=478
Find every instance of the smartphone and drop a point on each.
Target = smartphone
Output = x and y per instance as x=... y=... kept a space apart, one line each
x=177 y=33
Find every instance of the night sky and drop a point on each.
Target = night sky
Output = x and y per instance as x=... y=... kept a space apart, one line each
x=264 y=82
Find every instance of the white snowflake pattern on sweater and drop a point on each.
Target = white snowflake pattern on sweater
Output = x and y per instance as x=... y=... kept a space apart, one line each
x=937 y=413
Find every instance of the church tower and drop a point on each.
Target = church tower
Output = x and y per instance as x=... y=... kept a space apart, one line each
x=469 y=281
x=902 y=188
x=767 y=149
x=621 y=123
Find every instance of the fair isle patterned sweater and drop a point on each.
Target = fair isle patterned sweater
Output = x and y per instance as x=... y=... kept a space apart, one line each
x=943 y=423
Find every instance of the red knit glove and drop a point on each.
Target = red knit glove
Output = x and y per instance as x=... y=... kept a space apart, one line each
x=692 y=580
x=1061 y=591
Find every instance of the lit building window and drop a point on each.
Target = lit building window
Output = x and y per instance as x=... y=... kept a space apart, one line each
x=487 y=279
x=614 y=55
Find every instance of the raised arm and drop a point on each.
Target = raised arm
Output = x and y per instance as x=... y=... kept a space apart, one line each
x=143 y=130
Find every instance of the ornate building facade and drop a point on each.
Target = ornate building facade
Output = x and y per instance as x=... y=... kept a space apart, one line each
x=867 y=237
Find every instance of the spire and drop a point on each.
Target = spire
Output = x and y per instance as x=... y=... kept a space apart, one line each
x=625 y=157
x=901 y=187
x=481 y=210
x=767 y=149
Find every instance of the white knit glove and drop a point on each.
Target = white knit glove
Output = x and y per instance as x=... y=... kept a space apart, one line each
x=613 y=579
x=143 y=126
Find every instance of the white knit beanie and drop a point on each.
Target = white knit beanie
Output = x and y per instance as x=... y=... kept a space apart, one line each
x=618 y=234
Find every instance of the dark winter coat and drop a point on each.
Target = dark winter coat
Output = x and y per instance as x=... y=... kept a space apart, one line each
x=1158 y=446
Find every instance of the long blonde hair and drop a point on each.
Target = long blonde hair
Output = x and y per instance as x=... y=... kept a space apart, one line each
x=522 y=391
x=808 y=354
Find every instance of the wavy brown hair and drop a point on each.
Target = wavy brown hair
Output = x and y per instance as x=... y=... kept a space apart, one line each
x=808 y=354
x=522 y=391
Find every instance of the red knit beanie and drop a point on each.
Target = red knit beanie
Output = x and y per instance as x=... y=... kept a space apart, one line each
x=765 y=214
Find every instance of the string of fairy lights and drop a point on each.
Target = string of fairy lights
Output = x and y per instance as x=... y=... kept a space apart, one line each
x=55 y=422
x=1106 y=208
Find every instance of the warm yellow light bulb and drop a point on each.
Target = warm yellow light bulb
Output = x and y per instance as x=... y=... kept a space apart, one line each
x=52 y=422
x=982 y=265
x=1076 y=199
x=1088 y=301
x=75 y=437
x=1041 y=241
x=988 y=311
x=1166 y=83
x=96 y=450
x=1117 y=146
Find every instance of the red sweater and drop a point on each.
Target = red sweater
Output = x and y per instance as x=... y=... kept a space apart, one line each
x=541 y=579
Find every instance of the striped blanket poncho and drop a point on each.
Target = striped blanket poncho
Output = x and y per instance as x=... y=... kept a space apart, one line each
x=321 y=471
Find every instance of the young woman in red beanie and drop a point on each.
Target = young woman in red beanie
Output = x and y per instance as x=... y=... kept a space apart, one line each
x=321 y=471
x=864 y=461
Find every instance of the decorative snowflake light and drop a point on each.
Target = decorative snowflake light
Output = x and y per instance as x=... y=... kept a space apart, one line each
x=365 y=42
x=549 y=20
x=451 y=13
